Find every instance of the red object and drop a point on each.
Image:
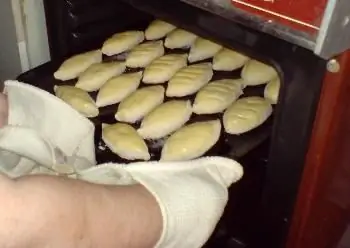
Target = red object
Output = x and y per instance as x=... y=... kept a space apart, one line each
x=322 y=211
x=302 y=15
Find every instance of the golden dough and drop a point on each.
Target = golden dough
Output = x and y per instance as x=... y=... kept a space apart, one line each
x=228 y=60
x=203 y=49
x=118 y=88
x=158 y=29
x=74 y=66
x=140 y=103
x=142 y=55
x=217 y=96
x=122 y=42
x=164 y=68
x=98 y=74
x=78 y=99
x=179 y=38
x=123 y=140
x=189 y=80
x=165 y=119
x=191 y=141
x=272 y=90
x=246 y=114
x=256 y=73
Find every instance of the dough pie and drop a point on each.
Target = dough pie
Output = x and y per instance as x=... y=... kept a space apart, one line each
x=98 y=74
x=78 y=99
x=164 y=68
x=191 y=141
x=123 y=140
x=272 y=90
x=165 y=119
x=217 y=96
x=158 y=29
x=118 y=88
x=255 y=73
x=246 y=114
x=180 y=38
x=74 y=66
x=228 y=60
x=140 y=103
x=203 y=49
x=122 y=42
x=142 y=55
x=189 y=80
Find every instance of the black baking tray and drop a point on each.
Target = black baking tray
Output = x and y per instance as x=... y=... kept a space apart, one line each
x=233 y=146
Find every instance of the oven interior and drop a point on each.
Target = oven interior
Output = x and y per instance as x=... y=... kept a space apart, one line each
x=261 y=204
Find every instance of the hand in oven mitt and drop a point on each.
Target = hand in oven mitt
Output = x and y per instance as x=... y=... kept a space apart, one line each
x=192 y=195
x=43 y=132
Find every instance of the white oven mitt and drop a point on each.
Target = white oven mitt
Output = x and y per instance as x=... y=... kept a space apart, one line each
x=192 y=195
x=43 y=131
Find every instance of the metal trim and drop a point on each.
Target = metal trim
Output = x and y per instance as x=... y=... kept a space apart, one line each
x=325 y=25
x=334 y=35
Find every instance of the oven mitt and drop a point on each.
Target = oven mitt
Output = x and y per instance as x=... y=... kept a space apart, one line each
x=43 y=131
x=192 y=195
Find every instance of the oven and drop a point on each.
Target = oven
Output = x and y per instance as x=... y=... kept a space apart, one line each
x=285 y=158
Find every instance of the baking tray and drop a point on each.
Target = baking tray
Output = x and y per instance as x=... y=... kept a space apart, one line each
x=233 y=146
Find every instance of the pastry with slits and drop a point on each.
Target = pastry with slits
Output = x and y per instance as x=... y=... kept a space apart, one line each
x=142 y=55
x=189 y=80
x=217 y=96
x=246 y=114
x=164 y=68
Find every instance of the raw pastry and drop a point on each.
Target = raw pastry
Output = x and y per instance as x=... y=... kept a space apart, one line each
x=203 y=49
x=123 y=140
x=98 y=74
x=272 y=90
x=158 y=29
x=217 y=96
x=142 y=55
x=180 y=38
x=122 y=42
x=256 y=73
x=164 y=68
x=189 y=80
x=78 y=99
x=118 y=88
x=228 y=60
x=246 y=114
x=140 y=103
x=165 y=119
x=74 y=66
x=191 y=141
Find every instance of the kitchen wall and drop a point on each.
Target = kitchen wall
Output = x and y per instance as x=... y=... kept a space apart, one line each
x=10 y=64
x=23 y=43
